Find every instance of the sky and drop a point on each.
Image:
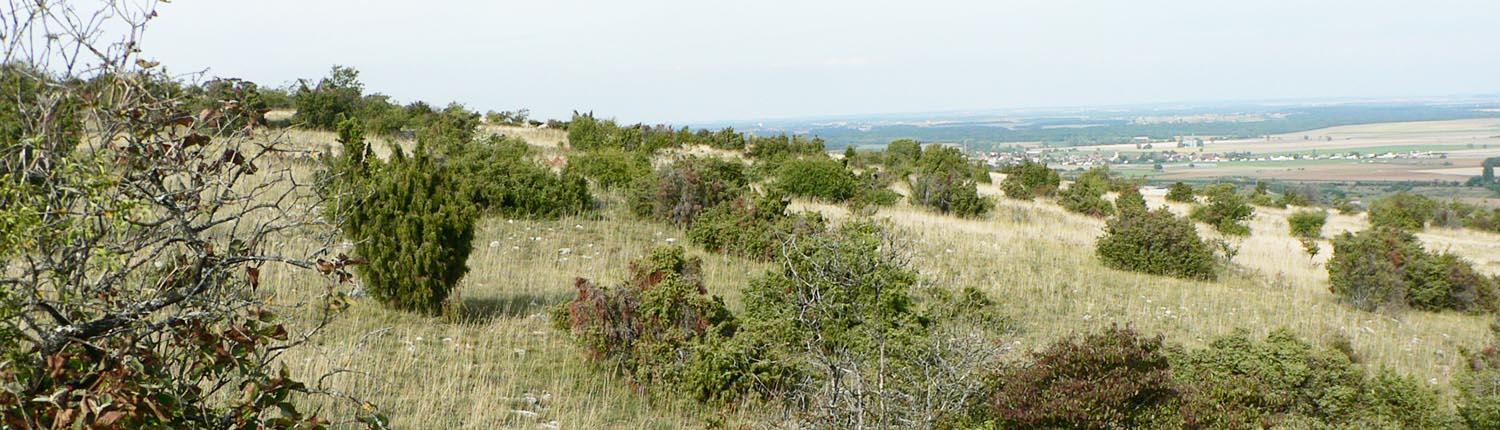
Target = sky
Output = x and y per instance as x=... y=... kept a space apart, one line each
x=704 y=60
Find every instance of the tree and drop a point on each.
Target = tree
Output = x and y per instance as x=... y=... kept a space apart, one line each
x=1226 y=210
x=1181 y=193
x=130 y=273
x=1029 y=180
x=943 y=181
x=416 y=229
x=1403 y=210
x=321 y=105
x=1156 y=242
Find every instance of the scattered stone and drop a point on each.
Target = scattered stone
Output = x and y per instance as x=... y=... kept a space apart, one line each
x=565 y=251
x=495 y=244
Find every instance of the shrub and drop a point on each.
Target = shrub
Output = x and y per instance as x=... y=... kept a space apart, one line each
x=1308 y=224
x=783 y=146
x=650 y=324
x=498 y=175
x=874 y=190
x=1086 y=194
x=943 y=182
x=1155 y=242
x=1239 y=382
x=416 y=230
x=1029 y=180
x=1225 y=210
x=1182 y=193
x=1386 y=268
x=1108 y=380
x=611 y=167
x=817 y=177
x=1403 y=210
x=901 y=156
x=688 y=186
x=751 y=229
x=321 y=105
x=1478 y=384
x=1130 y=200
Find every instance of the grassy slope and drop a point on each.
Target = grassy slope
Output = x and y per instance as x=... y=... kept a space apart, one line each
x=477 y=367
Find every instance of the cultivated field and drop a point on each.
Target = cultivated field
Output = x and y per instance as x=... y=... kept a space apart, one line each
x=1464 y=142
x=496 y=361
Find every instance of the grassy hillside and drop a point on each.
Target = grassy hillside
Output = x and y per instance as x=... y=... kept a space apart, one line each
x=495 y=360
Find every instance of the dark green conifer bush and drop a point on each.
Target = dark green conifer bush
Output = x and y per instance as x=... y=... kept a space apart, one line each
x=1086 y=194
x=1156 y=242
x=817 y=177
x=498 y=175
x=611 y=167
x=1387 y=268
x=1403 y=210
x=1226 y=210
x=943 y=181
x=1308 y=224
x=1130 y=200
x=416 y=230
x=1029 y=180
x=1181 y=193
x=751 y=228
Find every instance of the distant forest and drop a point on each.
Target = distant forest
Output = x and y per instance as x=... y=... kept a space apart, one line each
x=1087 y=129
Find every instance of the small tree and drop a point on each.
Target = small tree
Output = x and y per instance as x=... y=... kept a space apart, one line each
x=1181 y=193
x=416 y=229
x=1158 y=243
x=1307 y=223
x=818 y=177
x=1386 y=268
x=1403 y=210
x=943 y=182
x=323 y=104
x=1130 y=200
x=1086 y=194
x=690 y=185
x=1226 y=210
x=1029 y=180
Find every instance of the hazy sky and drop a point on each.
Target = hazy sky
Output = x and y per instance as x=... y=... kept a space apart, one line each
x=679 y=61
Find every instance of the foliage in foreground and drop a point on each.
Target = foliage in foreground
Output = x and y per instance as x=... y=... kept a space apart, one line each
x=1119 y=379
x=1387 y=268
x=842 y=299
x=129 y=271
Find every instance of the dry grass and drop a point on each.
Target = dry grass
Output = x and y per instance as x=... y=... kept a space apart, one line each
x=479 y=366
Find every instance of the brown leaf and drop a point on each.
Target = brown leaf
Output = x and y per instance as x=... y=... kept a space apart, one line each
x=254 y=275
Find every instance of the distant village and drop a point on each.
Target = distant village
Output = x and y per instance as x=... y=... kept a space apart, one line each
x=1181 y=152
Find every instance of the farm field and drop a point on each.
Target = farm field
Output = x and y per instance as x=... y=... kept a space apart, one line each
x=1465 y=143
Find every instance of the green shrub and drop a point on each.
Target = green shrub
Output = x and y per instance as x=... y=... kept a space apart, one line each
x=1108 y=380
x=1478 y=385
x=416 y=230
x=321 y=105
x=874 y=190
x=1155 y=242
x=690 y=185
x=1308 y=224
x=1386 y=268
x=1029 y=180
x=1239 y=382
x=1181 y=193
x=1130 y=200
x=817 y=177
x=784 y=146
x=900 y=156
x=943 y=182
x=498 y=175
x=751 y=229
x=1226 y=210
x=649 y=325
x=1403 y=210
x=611 y=167
x=1086 y=194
